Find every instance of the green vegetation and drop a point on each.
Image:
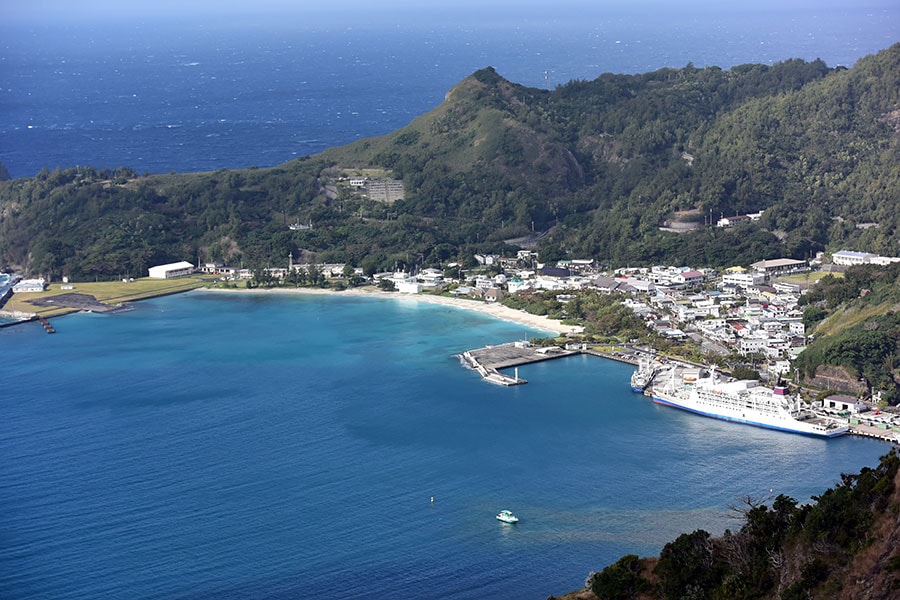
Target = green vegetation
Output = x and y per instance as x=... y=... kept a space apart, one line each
x=595 y=167
x=619 y=581
x=785 y=550
x=603 y=317
x=856 y=320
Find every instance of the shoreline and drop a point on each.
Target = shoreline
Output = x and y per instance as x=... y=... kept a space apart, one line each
x=497 y=311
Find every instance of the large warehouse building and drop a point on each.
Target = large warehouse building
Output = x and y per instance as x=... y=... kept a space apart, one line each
x=172 y=270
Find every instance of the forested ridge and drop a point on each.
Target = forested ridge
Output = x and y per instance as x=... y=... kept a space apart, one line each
x=592 y=169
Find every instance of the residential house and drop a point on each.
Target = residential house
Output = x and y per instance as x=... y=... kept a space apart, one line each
x=492 y=295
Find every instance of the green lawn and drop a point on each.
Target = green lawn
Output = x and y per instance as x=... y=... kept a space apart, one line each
x=804 y=278
x=106 y=292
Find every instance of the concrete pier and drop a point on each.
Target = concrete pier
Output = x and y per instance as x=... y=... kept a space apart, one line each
x=488 y=360
x=490 y=374
x=885 y=435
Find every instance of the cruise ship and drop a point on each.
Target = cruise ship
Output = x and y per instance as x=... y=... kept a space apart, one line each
x=747 y=402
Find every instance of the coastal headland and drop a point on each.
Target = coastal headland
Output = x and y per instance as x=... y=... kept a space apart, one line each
x=107 y=296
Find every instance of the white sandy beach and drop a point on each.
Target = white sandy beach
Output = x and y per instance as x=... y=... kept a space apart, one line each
x=497 y=311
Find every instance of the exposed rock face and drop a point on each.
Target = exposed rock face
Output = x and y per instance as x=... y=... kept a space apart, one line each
x=831 y=377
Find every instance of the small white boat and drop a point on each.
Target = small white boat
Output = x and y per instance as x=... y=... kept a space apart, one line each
x=507 y=517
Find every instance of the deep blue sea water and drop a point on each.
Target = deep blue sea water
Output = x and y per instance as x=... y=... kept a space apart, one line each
x=279 y=446
x=209 y=446
x=194 y=95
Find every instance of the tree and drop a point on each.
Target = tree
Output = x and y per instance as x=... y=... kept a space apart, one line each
x=686 y=567
x=742 y=372
x=315 y=276
x=620 y=581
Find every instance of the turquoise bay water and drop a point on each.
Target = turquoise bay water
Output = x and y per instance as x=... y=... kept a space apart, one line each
x=282 y=446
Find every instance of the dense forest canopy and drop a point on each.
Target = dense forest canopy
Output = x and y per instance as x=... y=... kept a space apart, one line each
x=607 y=169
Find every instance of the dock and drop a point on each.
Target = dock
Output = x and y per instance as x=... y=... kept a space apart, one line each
x=878 y=433
x=47 y=326
x=489 y=360
x=630 y=358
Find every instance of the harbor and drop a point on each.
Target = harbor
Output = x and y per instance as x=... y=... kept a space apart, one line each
x=652 y=375
x=655 y=380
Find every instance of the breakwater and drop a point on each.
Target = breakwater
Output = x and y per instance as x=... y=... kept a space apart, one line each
x=490 y=359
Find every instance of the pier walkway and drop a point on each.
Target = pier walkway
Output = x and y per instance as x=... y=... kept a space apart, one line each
x=489 y=360
x=47 y=326
x=884 y=434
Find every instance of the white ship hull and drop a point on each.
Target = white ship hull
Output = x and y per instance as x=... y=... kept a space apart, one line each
x=743 y=402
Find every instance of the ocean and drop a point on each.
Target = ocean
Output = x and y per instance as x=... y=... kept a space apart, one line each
x=198 y=95
x=216 y=445
x=279 y=446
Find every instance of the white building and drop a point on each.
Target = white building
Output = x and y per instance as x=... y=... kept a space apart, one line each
x=780 y=265
x=518 y=285
x=29 y=286
x=211 y=268
x=732 y=221
x=431 y=278
x=169 y=271
x=408 y=286
x=843 y=403
x=884 y=260
x=753 y=345
x=688 y=278
x=640 y=286
x=850 y=258
x=487 y=259
x=483 y=282
x=743 y=280
x=797 y=327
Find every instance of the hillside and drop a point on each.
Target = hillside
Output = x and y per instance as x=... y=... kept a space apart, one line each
x=591 y=169
x=844 y=545
x=855 y=321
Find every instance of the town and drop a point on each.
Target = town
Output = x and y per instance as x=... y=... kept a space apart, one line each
x=751 y=312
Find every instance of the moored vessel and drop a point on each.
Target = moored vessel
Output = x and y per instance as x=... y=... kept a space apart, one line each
x=745 y=401
x=643 y=375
